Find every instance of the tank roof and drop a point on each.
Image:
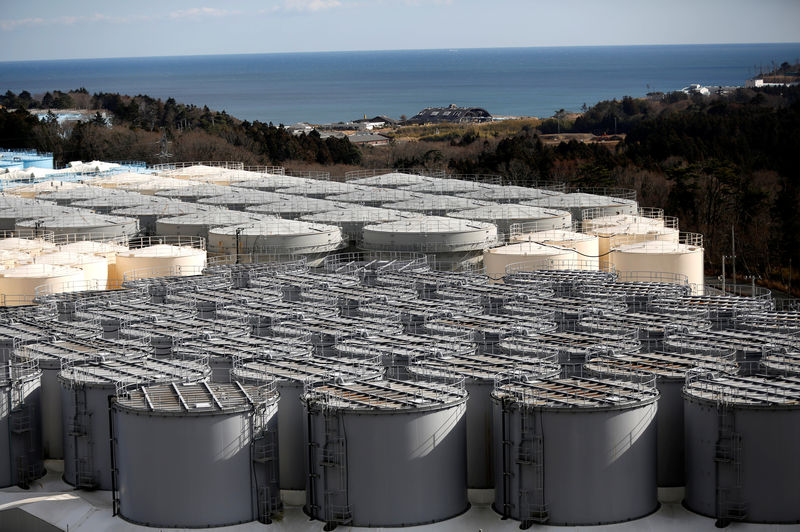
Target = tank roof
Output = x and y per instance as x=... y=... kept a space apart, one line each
x=297 y=205
x=774 y=392
x=214 y=218
x=377 y=196
x=510 y=193
x=511 y=211
x=437 y=203
x=582 y=341
x=431 y=225
x=385 y=395
x=312 y=369
x=358 y=214
x=409 y=346
x=391 y=179
x=579 y=199
x=661 y=364
x=277 y=226
x=483 y=366
x=148 y=370
x=196 y=398
x=316 y=187
x=272 y=182
x=576 y=393
x=163 y=208
x=243 y=197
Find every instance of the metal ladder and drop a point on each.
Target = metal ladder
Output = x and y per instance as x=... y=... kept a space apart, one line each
x=21 y=427
x=265 y=456
x=727 y=456
x=81 y=436
x=334 y=464
x=530 y=461
x=507 y=444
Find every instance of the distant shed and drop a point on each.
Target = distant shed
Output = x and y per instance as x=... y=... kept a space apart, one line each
x=451 y=113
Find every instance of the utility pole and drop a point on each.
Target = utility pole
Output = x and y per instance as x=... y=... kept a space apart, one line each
x=733 y=256
x=723 y=273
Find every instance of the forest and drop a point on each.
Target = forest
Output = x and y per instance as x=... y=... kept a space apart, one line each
x=724 y=164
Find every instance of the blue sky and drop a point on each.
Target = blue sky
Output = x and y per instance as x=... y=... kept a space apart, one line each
x=47 y=29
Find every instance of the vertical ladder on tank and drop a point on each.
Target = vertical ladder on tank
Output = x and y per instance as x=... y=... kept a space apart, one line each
x=80 y=431
x=530 y=460
x=727 y=456
x=334 y=468
x=112 y=437
x=20 y=419
x=265 y=456
x=507 y=445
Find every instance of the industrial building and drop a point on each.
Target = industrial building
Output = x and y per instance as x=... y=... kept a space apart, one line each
x=384 y=350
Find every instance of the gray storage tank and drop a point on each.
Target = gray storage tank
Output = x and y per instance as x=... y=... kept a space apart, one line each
x=479 y=373
x=574 y=451
x=196 y=455
x=291 y=376
x=20 y=422
x=385 y=453
x=670 y=370
x=85 y=393
x=742 y=436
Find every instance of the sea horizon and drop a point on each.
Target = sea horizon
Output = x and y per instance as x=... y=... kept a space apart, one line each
x=333 y=86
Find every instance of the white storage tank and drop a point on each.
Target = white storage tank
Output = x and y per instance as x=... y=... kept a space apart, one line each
x=211 y=447
x=149 y=213
x=682 y=258
x=437 y=205
x=742 y=435
x=510 y=194
x=496 y=260
x=26 y=242
x=119 y=200
x=449 y=243
x=161 y=256
x=240 y=199
x=106 y=250
x=574 y=451
x=479 y=373
x=271 y=183
x=295 y=207
x=452 y=186
x=200 y=223
x=277 y=237
x=375 y=197
x=317 y=188
x=506 y=214
x=587 y=247
x=85 y=225
x=20 y=424
x=291 y=376
x=194 y=193
x=385 y=453
x=32 y=210
x=385 y=178
x=353 y=219
x=85 y=393
x=577 y=202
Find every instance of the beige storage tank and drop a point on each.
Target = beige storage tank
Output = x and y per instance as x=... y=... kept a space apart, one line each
x=107 y=250
x=10 y=258
x=184 y=256
x=684 y=257
x=31 y=246
x=495 y=260
x=43 y=187
x=614 y=236
x=18 y=285
x=94 y=267
x=586 y=246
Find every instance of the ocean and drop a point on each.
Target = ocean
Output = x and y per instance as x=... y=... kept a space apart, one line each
x=339 y=86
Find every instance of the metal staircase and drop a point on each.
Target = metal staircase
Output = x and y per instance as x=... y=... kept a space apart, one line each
x=265 y=459
x=80 y=431
x=21 y=424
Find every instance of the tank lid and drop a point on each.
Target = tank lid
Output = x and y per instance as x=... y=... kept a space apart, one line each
x=483 y=367
x=408 y=346
x=744 y=391
x=385 y=395
x=134 y=372
x=576 y=392
x=196 y=398
x=669 y=365
x=312 y=369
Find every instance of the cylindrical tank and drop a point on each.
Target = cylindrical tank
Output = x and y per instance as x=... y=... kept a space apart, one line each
x=450 y=243
x=577 y=202
x=670 y=371
x=18 y=285
x=574 y=451
x=291 y=375
x=20 y=424
x=353 y=219
x=149 y=214
x=240 y=199
x=385 y=178
x=741 y=440
x=187 y=258
x=509 y=194
x=375 y=197
x=107 y=250
x=50 y=357
x=385 y=453
x=479 y=373
x=295 y=207
x=436 y=205
x=200 y=223
x=495 y=260
x=85 y=392
x=277 y=237
x=508 y=214
x=661 y=256
x=94 y=267
x=87 y=226
x=211 y=447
